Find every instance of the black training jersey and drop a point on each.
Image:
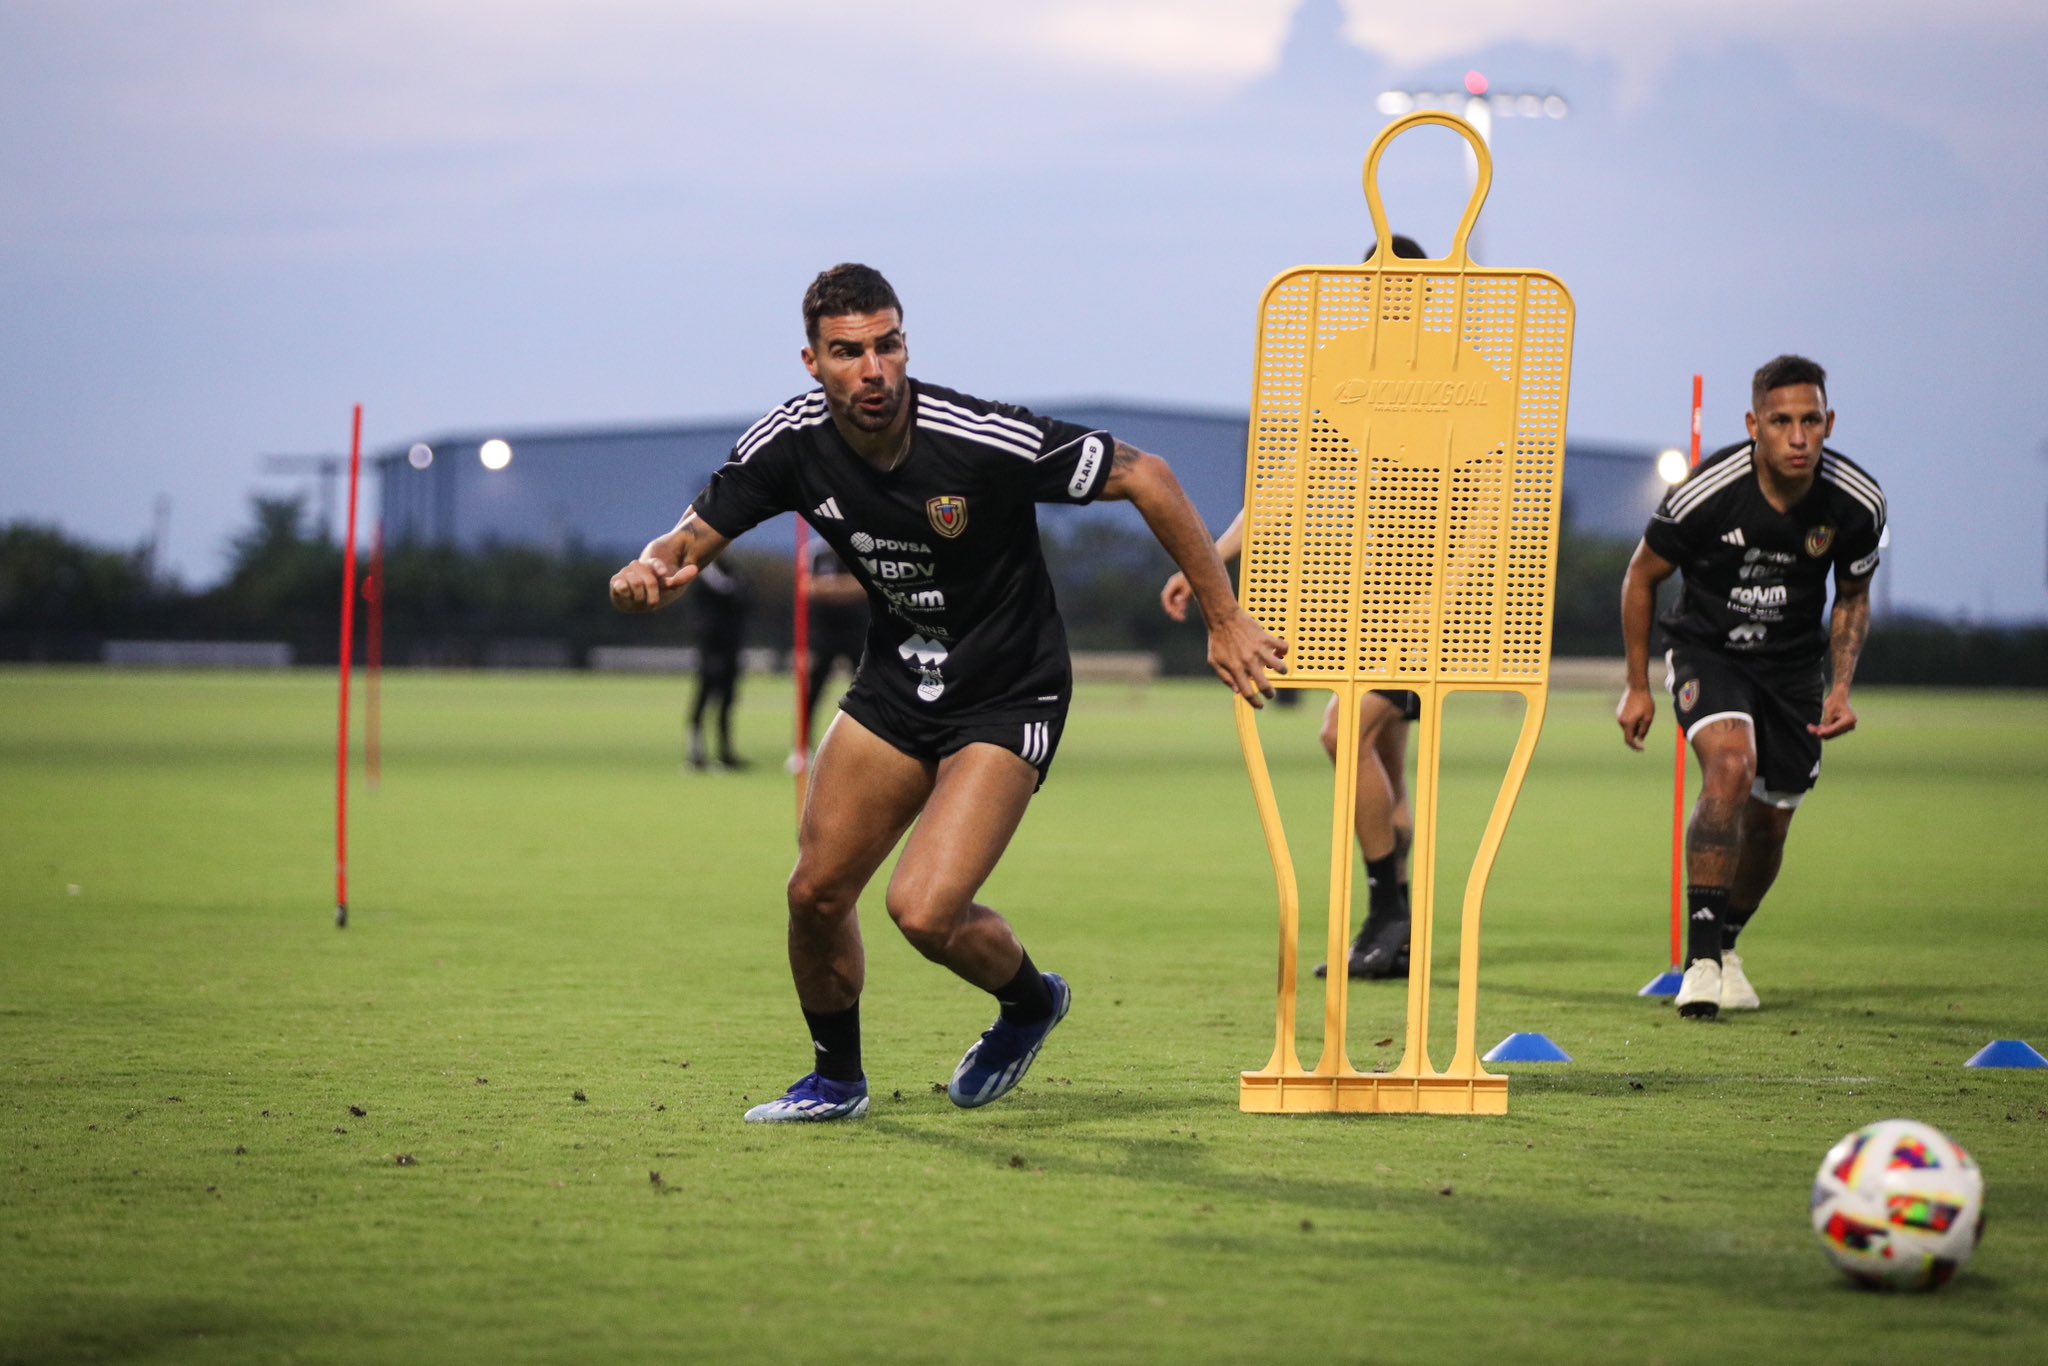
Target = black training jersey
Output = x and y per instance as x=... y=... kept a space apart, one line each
x=1756 y=578
x=962 y=622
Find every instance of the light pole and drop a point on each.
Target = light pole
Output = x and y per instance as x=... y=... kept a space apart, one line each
x=1480 y=104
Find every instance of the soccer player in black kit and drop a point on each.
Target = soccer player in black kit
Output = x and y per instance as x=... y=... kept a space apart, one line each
x=1757 y=679
x=929 y=496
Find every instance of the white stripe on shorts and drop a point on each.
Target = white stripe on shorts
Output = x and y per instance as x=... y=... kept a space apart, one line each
x=1741 y=716
x=1784 y=801
x=1036 y=740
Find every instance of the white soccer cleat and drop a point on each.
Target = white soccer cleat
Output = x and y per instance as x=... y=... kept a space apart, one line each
x=1736 y=992
x=1699 y=995
x=814 y=1100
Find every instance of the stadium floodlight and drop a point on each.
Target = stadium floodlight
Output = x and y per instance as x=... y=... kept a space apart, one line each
x=1480 y=104
x=1672 y=466
x=420 y=456
x=495 y=454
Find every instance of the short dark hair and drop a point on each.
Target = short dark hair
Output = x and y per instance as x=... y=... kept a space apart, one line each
x=846 y=288
x=1403 y=246
x=1781 y=371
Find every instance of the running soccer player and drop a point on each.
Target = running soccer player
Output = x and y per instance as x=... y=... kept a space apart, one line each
x=929 y=496
x=1385 y=819
x=1757 y=529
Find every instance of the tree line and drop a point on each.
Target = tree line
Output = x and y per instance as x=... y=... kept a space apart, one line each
x=61 y=598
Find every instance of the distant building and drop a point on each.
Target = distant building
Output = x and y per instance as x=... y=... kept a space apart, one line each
x=609 y=489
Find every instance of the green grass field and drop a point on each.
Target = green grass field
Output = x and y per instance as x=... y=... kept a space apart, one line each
x=232 y=1133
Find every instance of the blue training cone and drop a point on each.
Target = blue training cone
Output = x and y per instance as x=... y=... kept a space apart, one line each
x=1526 y=1048
x=2007 y=1053
x=1663 y=984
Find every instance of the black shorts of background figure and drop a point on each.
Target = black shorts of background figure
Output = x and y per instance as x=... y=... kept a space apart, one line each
x=1779 y=705
x=1407 y=705
x=1034 y=739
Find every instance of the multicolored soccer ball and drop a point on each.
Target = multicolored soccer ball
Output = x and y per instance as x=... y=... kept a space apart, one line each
x=1899 y=1205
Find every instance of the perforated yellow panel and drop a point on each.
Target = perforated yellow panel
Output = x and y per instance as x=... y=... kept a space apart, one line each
x=1402 y=489
x=1406 y=456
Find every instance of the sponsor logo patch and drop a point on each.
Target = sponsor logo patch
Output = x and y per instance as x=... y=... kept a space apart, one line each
x=927 y=657
x=867 y=544
x=1084 y=472
x=948 y=514
x=1818 y=539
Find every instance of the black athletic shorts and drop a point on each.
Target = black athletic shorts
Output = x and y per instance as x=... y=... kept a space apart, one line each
x=1779 y=705
x=1408 y=705
x=1034 y=739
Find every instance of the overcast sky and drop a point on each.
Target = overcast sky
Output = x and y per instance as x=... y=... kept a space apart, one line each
x=226 y=221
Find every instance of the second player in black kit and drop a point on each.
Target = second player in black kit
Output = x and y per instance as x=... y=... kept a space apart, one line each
x=1758 y=667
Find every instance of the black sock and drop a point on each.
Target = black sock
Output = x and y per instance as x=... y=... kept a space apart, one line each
x=1025 y=998
x=1734 y=925
x=1383 y=889
x=835 y=1036
x=1708 y=908
x=1385 y=899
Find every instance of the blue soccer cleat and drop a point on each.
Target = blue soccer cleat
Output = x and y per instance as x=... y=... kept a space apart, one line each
x=1003 y=1054
x=814 y=1100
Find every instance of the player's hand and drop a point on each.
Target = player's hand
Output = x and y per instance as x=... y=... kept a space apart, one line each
x=1837 y=717
x=648 y=583
x=1635 y=715
x=1242 y=652
x=1175 y=597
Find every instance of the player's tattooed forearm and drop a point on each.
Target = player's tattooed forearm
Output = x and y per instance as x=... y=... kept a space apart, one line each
x=689 y=531
x=1122 y=458
x=1850 y=628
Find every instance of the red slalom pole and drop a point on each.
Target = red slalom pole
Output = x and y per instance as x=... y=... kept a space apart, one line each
x=801 y=665
x=1667 y=983
x=348 y=642
x=1678 y=767
x=373 y=596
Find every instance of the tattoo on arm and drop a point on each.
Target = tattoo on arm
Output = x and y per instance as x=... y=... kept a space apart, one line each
x=1848 y=630
x=692 y=541
x=688 y=531
x=1122 y=459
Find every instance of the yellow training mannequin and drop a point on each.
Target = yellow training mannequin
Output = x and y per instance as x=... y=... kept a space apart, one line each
x=1401 y=510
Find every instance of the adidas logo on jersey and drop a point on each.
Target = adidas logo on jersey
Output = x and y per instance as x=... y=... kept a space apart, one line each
x=828 y=511
x=1735 y=537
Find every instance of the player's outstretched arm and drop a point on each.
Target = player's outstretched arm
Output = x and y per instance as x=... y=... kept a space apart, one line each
x=1646 y=569
x=1175 y=597
x=1241 y=651
x=1848 y=627
x=667 y=566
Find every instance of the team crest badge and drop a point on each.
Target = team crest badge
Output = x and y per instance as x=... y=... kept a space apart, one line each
x=949 y=515
x=1689 y=695
x=1818 y=540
